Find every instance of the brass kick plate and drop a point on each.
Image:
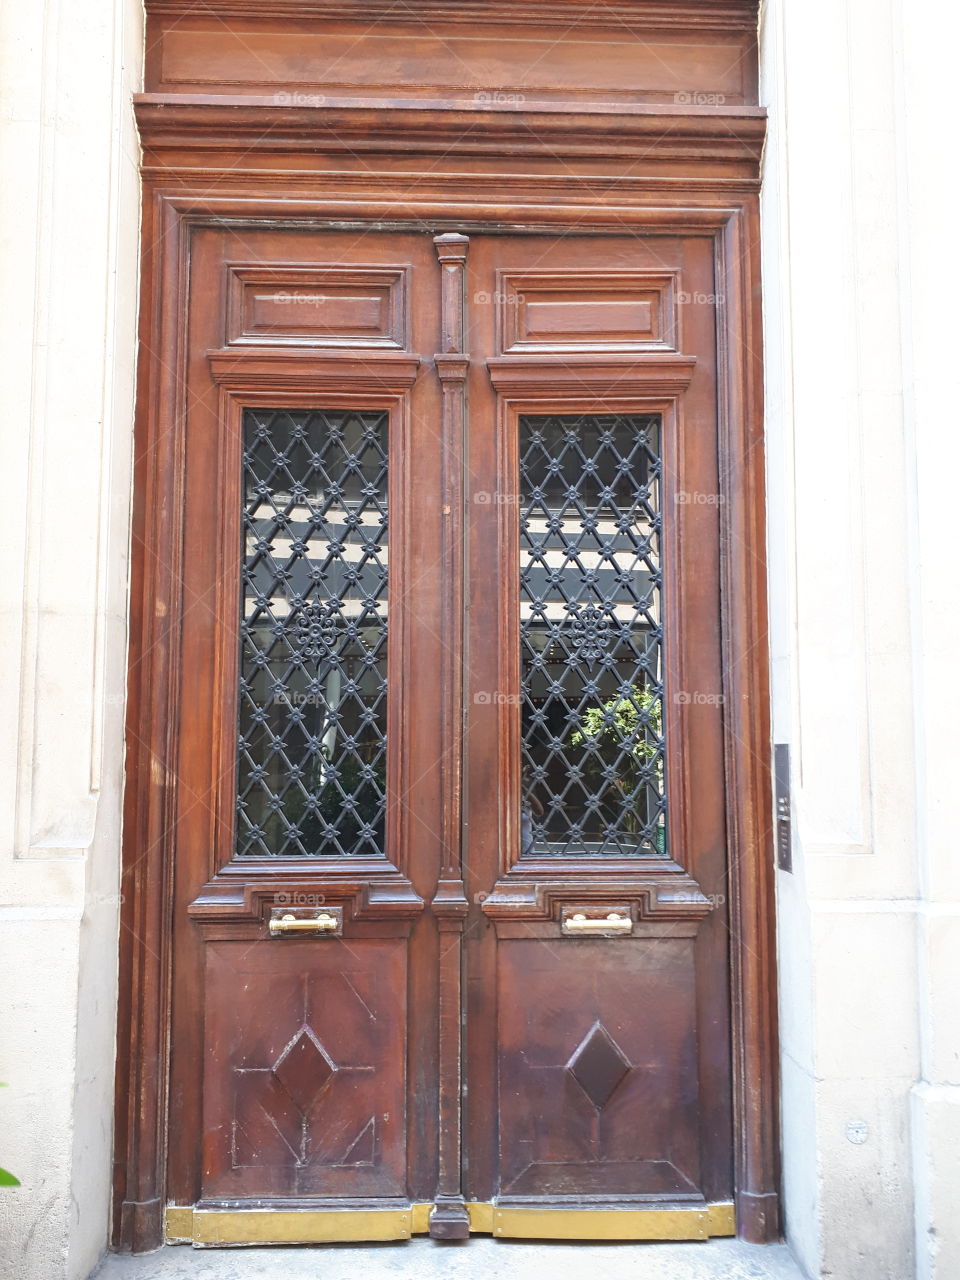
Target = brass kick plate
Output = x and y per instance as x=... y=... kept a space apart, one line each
x=612 y=1224
x=212 y=1227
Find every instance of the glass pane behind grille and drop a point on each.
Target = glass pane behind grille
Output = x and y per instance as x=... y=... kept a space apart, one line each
x=591 y=636
x=312 y=720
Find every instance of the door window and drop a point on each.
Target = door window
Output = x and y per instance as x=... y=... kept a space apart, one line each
x=591 y=635
x=312 y=731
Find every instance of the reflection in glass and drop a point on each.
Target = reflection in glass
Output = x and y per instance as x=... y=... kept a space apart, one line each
x=312 y=718
x=591 y=636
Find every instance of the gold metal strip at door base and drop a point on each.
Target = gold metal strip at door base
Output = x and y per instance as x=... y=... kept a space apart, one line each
x=187 y=1225
x=481 y=1217
x=421 y=1218
x=178 y=1224
x=603 y=1224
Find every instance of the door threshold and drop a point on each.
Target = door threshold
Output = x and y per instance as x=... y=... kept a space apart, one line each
x=478 y=1259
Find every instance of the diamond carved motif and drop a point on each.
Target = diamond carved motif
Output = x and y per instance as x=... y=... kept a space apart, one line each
x=304 y=1069
x=598 y=1065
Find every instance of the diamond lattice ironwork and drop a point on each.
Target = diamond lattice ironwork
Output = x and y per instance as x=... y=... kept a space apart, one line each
x=591 y=635
x=598 y=1065
x=304 y=1068
x=312 y=721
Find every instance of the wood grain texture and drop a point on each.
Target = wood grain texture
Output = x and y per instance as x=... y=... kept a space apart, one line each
x=292 y=305
x=304 y=1092
x=481 y=54
x=597 y=1071
x=748 y=745
x=567 y=311
x=234 y=132
x=656 y=15
x=449 y=1219
x=533 y=894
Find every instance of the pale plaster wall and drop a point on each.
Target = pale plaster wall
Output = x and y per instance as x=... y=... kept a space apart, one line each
x=860 y=333
x=931 y=303
x=69 y=218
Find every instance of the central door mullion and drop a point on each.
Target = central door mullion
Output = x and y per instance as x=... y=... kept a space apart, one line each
x=449 y=1219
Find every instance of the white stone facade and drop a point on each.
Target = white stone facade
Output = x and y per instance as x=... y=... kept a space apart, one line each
x=860 y=305
x=69 y=227
x=862 y=290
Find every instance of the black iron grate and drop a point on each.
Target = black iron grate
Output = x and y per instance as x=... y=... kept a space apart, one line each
x=312 y=718
x=591 y=635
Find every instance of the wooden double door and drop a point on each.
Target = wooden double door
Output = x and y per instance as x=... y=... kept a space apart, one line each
x=449 y=943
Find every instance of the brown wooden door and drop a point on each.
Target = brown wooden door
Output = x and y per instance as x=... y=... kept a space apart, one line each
x=449 y=945
x=594 y=781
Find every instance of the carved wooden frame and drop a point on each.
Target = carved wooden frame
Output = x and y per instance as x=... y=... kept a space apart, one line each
x=264 y=377
x=716 y=197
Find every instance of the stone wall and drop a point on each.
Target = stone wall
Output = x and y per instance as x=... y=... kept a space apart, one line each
x=69 y=218
x=860 y=303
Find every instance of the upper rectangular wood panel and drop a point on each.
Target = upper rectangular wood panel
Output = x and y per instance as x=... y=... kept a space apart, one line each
x=302 y=51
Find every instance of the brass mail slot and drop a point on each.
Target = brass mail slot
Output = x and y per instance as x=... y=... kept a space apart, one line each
x=292 y=921
x=596 y=921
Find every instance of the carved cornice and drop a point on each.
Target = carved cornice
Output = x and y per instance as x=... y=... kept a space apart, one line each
x=650 y=373
x=261 y=126
x=259 y=368
x=667 y=896
x=229 y=900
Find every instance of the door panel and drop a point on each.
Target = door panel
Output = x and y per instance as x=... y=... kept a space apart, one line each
x=597 y=1069
x=295 y=655
x=306 y=1098
x=450 y=921
x=594 y=742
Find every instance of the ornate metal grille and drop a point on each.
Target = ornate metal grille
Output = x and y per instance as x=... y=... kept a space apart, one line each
x=591 y=635
x=312 y=731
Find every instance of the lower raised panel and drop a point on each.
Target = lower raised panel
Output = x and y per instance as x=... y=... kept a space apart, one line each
x=598 y=1080
x=304 y=1080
